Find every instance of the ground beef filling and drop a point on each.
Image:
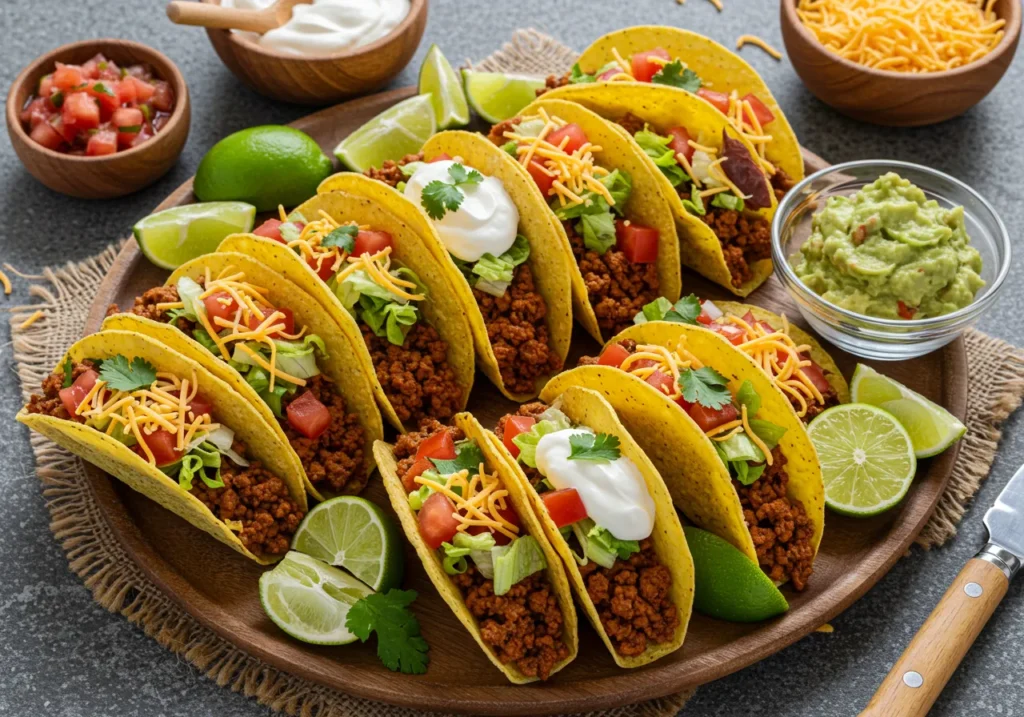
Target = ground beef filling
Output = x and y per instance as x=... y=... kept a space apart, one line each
x=407 y=443
x=523 y=627
x=746 y=238
x=49 y=403
x=781 y=183
x=527 y=409
x=631 y=123
x=146 y=307
x=778 y=524
x=618 y=288
x=391 y=171
x=497 y=133
x=831 y=398
x=632 y=600
x=553 y=82
x=416 y=376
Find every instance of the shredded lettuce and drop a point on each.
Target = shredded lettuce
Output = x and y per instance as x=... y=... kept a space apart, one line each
x=189 y=291
x=476 y=547
x=767 y=431
x=492 y=274
x=727 y=200
x=203 y=460
x=411 y=168
x=596 y=217
x=418 y=496
x=290 y=229
x=511 y=148
x=387 y=315
x=600 y=545
x=516 y=561
x=203 y=337
x=657 y=148
x=550 y=421
x=695 y=204
x=747 y=396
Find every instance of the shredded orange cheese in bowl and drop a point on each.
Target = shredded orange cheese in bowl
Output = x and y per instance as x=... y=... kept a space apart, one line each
x=478 y=500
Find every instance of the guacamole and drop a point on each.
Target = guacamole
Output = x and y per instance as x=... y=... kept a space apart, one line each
x=889 y=252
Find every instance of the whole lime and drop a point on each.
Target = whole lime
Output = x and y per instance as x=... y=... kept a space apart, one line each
x=264 y=166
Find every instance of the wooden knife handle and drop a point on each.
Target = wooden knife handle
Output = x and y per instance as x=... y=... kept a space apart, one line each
x=219 y=18
x=917 y=678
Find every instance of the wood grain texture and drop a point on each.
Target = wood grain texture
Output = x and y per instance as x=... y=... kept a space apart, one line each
x=220 y=591
x=896 y=99
x=113 y=175
x=223 y=18
x=941 y=643
x=320 y=81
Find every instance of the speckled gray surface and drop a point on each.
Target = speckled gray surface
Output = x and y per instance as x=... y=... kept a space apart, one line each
x=61 y=654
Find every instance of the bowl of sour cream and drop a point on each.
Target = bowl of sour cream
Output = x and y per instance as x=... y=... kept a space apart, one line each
x=328 y=51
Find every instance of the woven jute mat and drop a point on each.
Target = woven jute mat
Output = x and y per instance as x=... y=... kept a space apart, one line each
x=64 y=295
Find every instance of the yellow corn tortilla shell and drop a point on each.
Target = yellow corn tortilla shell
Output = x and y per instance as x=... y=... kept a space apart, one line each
x=340 y=366
x=697 y=478
x=662 y=108
x=550 y=259
x=647 y=204
x=720 y=69
x=588 y=408
x=818 y=354
x=442 y=308
x=433 y=564
x=117 y=459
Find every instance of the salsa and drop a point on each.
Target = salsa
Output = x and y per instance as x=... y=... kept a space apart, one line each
x=97 y=108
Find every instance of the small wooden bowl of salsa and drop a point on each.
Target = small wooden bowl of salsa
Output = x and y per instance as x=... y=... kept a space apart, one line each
x=99 y=118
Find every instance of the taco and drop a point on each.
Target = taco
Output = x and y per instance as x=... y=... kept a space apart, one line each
x=507 y=260
x=278 y=349
x=734 y=454
x=482 y=546
x=792 y=358
x=712 y=177
x=606 y=201
x=672 y=60
x=173 y=431
x=378 y=278
x=608 y=513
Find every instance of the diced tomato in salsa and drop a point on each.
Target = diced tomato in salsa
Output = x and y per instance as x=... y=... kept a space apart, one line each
x=718 y=100
x=761 y=111
x=271 y=229
x=710 y=418
x=564 y=506
x=577 y=137
x=437 y=520
x=80 y=113
x=67 y=76
x=101 y=143
x=680 y=143
x=644 y=69
x=128 y=122
x=513 y=427
x=371 y=241
x=613 y=355
x=162 y=444
x=308 y=416
x=46 y=135
x=106 y=95
x=638 y=243
x=440 y=446
x=73 y=395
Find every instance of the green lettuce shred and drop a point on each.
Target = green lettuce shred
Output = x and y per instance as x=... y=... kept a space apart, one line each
x=515 y=562
x=553 y=420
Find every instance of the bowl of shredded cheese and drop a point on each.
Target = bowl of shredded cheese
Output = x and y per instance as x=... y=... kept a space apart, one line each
x=901 y=62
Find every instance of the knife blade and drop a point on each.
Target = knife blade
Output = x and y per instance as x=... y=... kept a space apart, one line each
x=916 y=680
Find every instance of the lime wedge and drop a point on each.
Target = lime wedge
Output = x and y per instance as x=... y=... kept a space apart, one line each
x=867 y=458
x=932 y=428
x=174 y=236
x=354 y=534
x=728 y=585
x=496 y=96
x=392 y=134
x=438 y=79
x=310 y=600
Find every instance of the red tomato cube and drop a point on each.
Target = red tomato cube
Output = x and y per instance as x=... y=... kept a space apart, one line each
x=564 y=506
x=680 y=143
x=718 y=100
x=710 y=418
x=80 y=113
x=73 y=395
x=415 y=471
x=271 y=229
x=369 y=241
x=638 y=243
x=440 y=446
x=143 y=90
x=67 y=76
x=575 y=134
x=644 y=69
x=321 y=266
x=761 y=111
x=163 y=97
x=662 y=382
x=128 y=122
x=437 y=520
x=541 y=177
x=613 y=355
x=101 y=143
x=47 y=136
x=308 y=416
x=513 y=427
x=733 y=334
x=163 y=445
x=106 y=95
x=46 y=87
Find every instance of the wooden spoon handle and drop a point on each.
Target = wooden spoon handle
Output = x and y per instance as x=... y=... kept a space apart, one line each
x=220 y=18
x=917 y=678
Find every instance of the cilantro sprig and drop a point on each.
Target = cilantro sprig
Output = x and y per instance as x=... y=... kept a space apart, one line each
x=684 y=311
x=440 y=197
x=344 y=237
x=597 y=448
x=400 y=646
x=705 y=386
x=121 y=375
x=468 y=456
x=675 y=75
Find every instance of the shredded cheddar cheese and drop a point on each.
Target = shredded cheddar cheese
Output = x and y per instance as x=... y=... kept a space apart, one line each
x=6 y=283
x=478 y=500
x=30 y=320
x=905 y=35
x=757 y=42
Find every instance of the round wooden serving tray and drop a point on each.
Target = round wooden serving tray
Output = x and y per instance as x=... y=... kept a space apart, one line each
x=219 y=588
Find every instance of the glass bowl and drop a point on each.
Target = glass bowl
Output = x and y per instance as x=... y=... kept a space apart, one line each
x=867 y=336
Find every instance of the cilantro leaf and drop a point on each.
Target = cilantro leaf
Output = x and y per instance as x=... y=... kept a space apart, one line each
x=468 y=456
x=705 y=386
x=123 y=376
x=101 y=88
x=344 y=237
x=69 y=369
x=599 y=448
x=674 y=75
x=440 y=197
x=461 y=175
x=399 y=643
x=578 y=76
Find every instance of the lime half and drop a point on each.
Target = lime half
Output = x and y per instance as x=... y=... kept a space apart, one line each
x=867 y=458
x=496 y=96
x=438 y=79
x=310 y=600
x=728 y=585
x=932 y=428
x=399 y=131
x=174 y=236
x=354 y=534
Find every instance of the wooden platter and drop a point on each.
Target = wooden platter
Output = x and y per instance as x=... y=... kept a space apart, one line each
x=219 y=587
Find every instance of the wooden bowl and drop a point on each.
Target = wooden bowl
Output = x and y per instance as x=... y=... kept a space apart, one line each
x=112 y=175
x=324 y=80
x=896 y=99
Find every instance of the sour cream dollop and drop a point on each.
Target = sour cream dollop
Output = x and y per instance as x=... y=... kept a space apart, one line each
x=614 y=493
x=486 y=222
x=328 y=26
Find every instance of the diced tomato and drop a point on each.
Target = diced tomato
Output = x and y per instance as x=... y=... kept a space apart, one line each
x=816 y=375
x=541 y=177
x=127 y=94
x=437 y=520
x=370 y=241
x=415 y=471
x=288 y=319
x=761 y=111
x=80 y=113
x=108 y=69
x=643 y=363
x=324 y=269
x=443 y=157
x=734 y=334
x=271 y=229
x=46 y=87
x=644 y=68
x=718 y=100
x=163 y=96
x=638 y=243
x=45 y=134
x=102 y=143
x=36 y=112
x=220 y=305
x=513 y=427
x=143 y=90
x=106 y=95
x=509 y=514
x=91 y=68
x=577 y=137
x=680 y=143
x=73 y=395
x=662 y=382
x=440 y=446
x=704 y=317
x=684 y=404
x=163 y=444
x=308 y=416
x=564 y=506
x=128 y=122
x=613 y=355
x=142 y=137
x=905 y=312
x=200 y=405
x=709 y=418
x=67 y=76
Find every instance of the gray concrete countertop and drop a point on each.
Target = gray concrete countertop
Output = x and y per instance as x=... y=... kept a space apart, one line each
x=61 y=654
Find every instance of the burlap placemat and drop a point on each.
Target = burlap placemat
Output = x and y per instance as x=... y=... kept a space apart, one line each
x=63 y=296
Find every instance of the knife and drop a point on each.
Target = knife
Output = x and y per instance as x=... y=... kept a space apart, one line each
x=917 y=678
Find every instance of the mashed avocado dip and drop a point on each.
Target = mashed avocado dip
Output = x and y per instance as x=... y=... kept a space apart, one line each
x=889 y=252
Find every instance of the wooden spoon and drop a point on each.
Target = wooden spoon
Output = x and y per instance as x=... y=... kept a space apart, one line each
x=225 y=18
